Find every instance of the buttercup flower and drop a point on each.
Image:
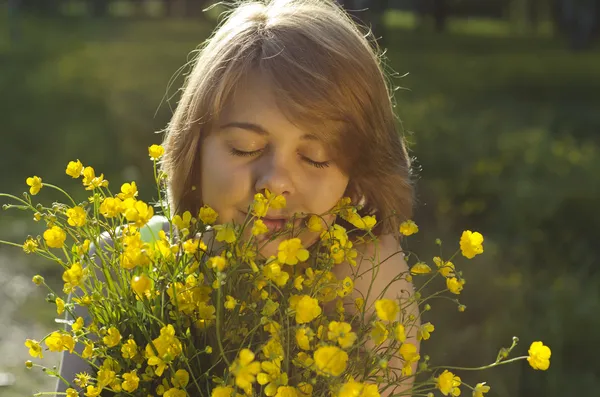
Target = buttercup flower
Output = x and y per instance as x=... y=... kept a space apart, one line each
x=207 y=215
x=424 y=331
x=454 y=285
x=35 y=350
x=471 y=244
x=76 y=216
x=245 y=370
x=112 y=338
x=74 y=169
x=420 y=268
x=55 y=237
x=156 y=152
x=448 y=383
x=480 y=389
x=35 y=184
x=387 y=309
x=408 y=228
x=30 y=246
x=330 y=360
x=539 y=356
x=307 y=309
x=130 y=381
x=291 y=251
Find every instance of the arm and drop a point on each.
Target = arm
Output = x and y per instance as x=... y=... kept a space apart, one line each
x=388 y=251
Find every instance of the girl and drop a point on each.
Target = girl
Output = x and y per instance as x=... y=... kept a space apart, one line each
x=289 y=96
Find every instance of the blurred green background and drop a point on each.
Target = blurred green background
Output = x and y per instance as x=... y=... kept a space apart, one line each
x=499 y=100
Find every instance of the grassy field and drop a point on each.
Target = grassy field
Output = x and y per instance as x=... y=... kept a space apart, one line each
x=504 y=131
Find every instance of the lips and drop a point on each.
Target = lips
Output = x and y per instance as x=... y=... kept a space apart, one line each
x=274 y=225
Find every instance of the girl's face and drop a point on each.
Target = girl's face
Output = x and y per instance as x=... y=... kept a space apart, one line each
x=255 y=147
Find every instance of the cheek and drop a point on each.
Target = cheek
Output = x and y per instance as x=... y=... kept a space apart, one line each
x=224 y=186
x=323 y=193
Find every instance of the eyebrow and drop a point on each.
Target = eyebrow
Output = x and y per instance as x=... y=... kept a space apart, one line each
x=258 y=129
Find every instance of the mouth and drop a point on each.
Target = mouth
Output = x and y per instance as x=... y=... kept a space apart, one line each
x=278 y=224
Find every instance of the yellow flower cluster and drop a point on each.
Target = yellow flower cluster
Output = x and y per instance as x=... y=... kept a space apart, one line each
x=200 y=310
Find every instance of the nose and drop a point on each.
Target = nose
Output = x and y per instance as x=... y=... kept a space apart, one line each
x=275 y=174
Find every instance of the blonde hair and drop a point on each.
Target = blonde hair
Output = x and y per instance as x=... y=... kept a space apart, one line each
x=324 y=72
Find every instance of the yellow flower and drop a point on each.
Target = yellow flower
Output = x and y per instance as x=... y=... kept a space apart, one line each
x=330 y=360
x=174 y=392
x=446 y=269
x=207 y=215
x=105 y=377
x=315 y=224
x=183 y=221
x=68 y=343
x=399 y=333
x=181 y=378
x=471 y=244
x=230 y=302
x=74 y=169
x=76 y=216
x=379 y=333
x=245 y=370
x=480 y=388
x=60 y=306
x=93 y=391
x=225 y=233
x=155 y=152
x=222 y=391
x=454 y=285
x=448 y=383
x=35 y=350
x=30 y=246
x=130 y=381
x=72 y=277
x=111 y=207
x=54 y=342
x=408 y=351
x=347 y=286
x=408 y=228
x=363 y=223
x=35 y=184
x=218 y=263
x=287 y=391
x=88 y=351
x=128 y=190
x=129 y=349
x=303 y=337
x=387 y=309
x=307 y=309
x=82 y=379
x=141 y=285
x=139 y=213
x=357 y=389
x=291 y=251
x=55 y=237
x=91 y=181
x=539 y=356
x=72 y=392
x=259 y=227
x=276 y=201
x=424 y=331
x=112 y=338
x=341 y=332
x=420 y=268
x=78 y=324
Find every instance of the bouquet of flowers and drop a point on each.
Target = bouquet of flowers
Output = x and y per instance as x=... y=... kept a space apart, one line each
x=181 y=305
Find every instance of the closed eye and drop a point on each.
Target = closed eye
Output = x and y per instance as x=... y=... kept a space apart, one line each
x=242 y=153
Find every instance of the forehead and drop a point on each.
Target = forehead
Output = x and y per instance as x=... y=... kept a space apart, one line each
x=258 y=105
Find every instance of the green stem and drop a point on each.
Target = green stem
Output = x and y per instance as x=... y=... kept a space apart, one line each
x=497 y=363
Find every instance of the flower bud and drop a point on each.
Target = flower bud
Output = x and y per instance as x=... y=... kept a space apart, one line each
x=427 y=307
x=462 y=308
x=38 y=280
x=438 y=241
x=29 y=364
